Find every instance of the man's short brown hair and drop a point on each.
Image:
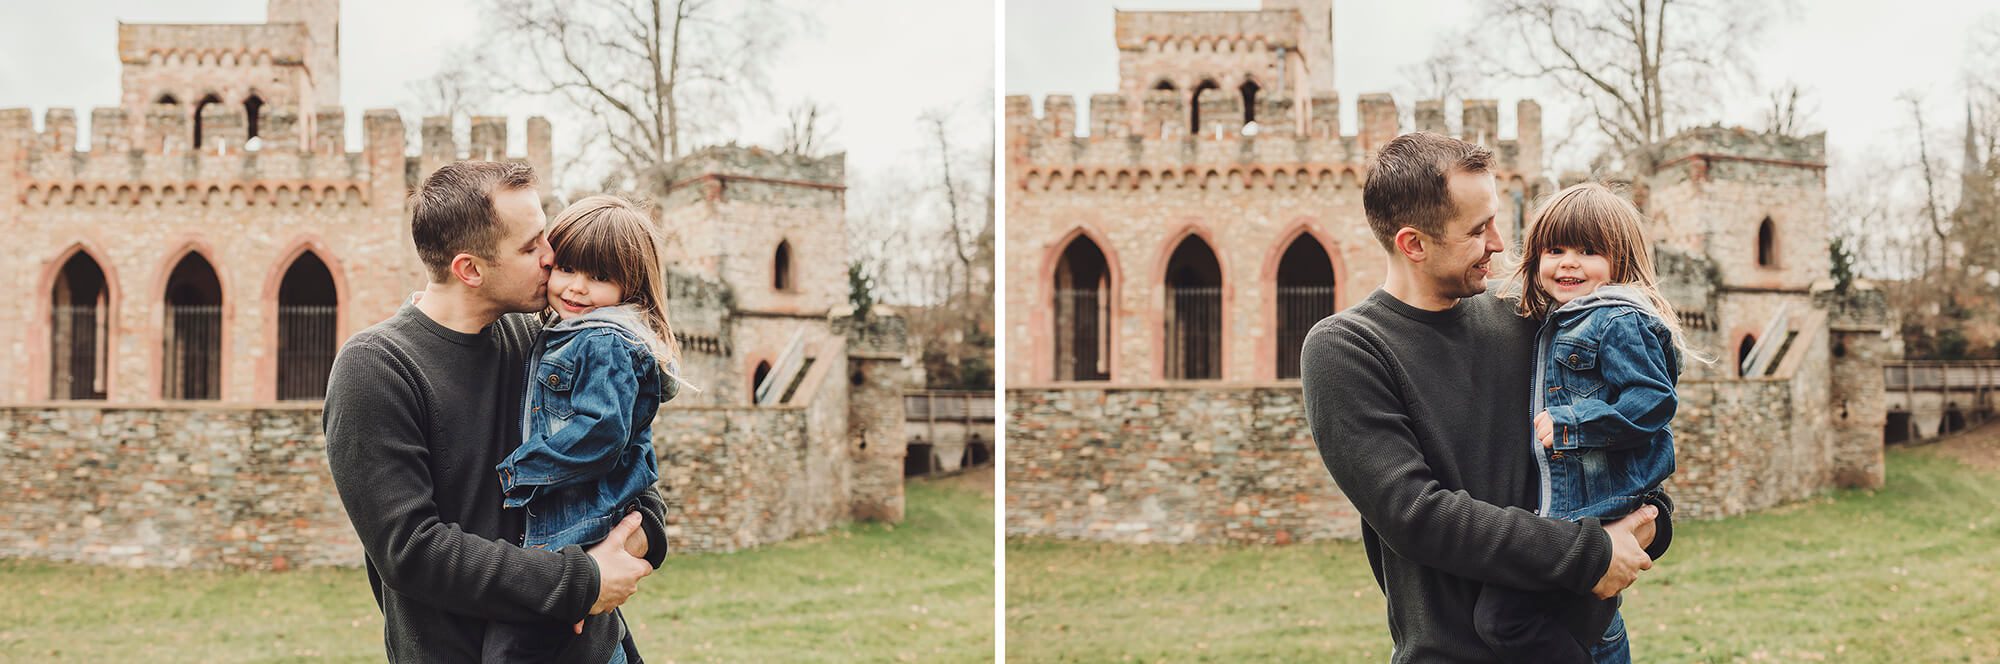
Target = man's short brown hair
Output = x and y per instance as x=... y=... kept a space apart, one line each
x=1408 y=183
x=452 y=213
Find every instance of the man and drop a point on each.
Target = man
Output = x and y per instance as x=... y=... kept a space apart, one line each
x=1418 y=400
x=422 y=406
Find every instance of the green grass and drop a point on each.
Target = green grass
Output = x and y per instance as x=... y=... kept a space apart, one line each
x=918 y=591
x=1907 y=573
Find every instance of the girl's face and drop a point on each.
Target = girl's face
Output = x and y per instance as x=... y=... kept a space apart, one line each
x=573 y=293
x=1565 y=273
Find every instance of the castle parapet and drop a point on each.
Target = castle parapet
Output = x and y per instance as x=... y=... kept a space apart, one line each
x=1226 y=31
x=157 y=155
x=1145 y=136
x=1738 y=154
x=223 y=44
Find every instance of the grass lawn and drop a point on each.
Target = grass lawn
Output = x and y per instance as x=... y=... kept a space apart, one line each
x=1907 y=573
x=917 y=591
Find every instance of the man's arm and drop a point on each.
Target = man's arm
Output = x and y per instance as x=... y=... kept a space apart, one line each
x=1365 y=439
x=381 y=469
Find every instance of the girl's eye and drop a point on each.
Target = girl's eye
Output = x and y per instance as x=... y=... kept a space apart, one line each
x=598 y=277
x=563 y=269
x=1590 y=252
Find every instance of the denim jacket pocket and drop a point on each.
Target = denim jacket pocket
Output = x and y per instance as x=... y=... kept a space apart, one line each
x=1579 y=363
x=555 y=381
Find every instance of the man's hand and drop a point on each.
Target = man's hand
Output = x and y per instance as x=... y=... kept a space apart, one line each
x=1545 y=429
x=618 y=572
x=1628 y=555
x=638 y=546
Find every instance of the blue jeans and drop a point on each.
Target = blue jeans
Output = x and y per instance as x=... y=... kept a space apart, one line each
x=1614 y=648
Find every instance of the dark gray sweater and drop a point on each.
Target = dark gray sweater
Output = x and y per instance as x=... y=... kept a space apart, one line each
x=1422 y=418
x=417 y=416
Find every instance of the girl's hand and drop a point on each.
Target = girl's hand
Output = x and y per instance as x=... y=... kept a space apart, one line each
x=1545 y=429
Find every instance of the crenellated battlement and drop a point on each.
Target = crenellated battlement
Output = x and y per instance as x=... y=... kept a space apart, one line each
x=294 y=161
x=1208 y=31
x=1699 y=151
x=1144 y=139
x=227 y=45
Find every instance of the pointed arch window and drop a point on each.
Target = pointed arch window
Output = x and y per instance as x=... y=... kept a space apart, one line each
x=308 y=311
x=1083 y=313
x=781 y=267
x=1305 y=295
x=79 y=330
x=1194 y=105
x=251 y=107
x=193 y=332
x=198 y=108
x=1249 y=90
x=1767 y=244
x=1194 y=312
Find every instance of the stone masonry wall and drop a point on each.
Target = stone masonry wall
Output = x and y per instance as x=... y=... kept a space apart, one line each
x=1210 y=464
x=248 y=487
x=1169 y=464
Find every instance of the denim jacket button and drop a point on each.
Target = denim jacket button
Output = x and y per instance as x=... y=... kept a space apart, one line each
x=553 y=379
x=1572 y=360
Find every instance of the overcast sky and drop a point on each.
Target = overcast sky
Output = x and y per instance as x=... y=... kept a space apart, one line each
x=1853 y=58
x=878 y=64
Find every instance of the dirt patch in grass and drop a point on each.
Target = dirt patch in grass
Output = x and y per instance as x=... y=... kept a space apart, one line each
x=1978 y=448
x=978 y=479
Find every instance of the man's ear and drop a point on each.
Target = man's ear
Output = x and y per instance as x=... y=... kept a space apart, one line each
x=1412 y=244
x=468 y=269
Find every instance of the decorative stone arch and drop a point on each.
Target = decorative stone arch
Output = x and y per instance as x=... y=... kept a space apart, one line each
x=1271 y=347
x=253 y=104
x=268 y=363
x=41 y=335
x=1191 y=326
x=1044 y=316
x=155 y=336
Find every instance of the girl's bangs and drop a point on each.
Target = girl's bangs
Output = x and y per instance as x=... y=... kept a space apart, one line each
x=585 y=244
x=1573 y=224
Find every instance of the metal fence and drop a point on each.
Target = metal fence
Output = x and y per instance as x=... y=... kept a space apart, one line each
x=306 y=346
x=1194 y=333
x=1082 y=334
x=193 y=367
x=78 y=352
x=1299 y=307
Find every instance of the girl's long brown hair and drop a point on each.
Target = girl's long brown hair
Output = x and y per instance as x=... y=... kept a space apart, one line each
x=610 y=237
x=1592 y=217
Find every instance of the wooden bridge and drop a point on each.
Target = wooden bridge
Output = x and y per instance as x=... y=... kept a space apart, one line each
x=1926 y=398
x=948 y=430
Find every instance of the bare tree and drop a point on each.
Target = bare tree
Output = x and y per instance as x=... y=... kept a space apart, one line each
x=807 y=128
x=1784 y=117
x=658 y=76
x=457 y=90
x=1634 y=66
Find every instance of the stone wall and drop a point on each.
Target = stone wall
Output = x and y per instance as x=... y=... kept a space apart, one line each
x=1210 y=464
x=248 y=486
x=1169 y=464
x=186 y=486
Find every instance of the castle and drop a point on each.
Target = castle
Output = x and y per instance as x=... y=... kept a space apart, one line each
x=1169 y=263
x=198 y=266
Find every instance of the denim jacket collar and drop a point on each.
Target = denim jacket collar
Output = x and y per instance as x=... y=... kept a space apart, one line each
x=1612 y=295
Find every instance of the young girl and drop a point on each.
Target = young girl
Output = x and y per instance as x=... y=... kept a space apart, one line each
x=607 y=361
x=1607 y=357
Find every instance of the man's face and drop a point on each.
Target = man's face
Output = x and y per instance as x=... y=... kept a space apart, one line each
x=517 y=278
x=1459 y=263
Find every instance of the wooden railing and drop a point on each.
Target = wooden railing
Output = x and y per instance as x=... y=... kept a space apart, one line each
x=1942 y=376
x=948 y=406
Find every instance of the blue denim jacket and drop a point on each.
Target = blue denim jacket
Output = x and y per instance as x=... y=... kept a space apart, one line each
x=587 y=446
x=1608 y=367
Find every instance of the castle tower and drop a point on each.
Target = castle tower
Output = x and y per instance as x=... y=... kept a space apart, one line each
x=771 y=228
x=321 y=19
x=1316 y=40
